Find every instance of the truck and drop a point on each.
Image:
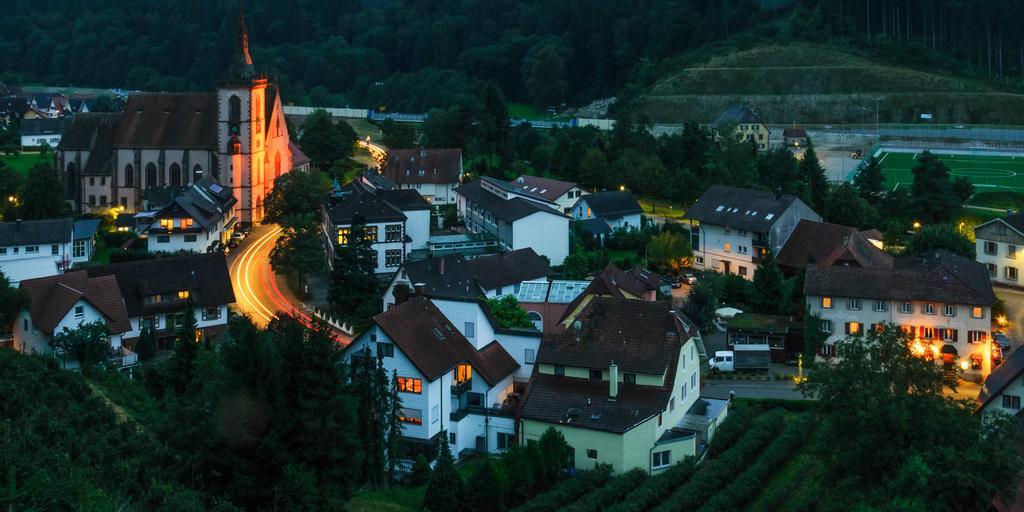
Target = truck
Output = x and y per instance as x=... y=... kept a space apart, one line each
x=743 y=357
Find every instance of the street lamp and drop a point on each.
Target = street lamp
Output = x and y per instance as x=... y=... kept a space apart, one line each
x=917 y=225
x=622 y=188
x=878 y=133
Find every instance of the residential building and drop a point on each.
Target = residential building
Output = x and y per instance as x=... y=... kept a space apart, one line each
x=776 y=331
x=561 y=195
x=396 y=221
x=1001 y=394
x=35 y=248
x=158 y=294
x=738 y=228
x=447 y=384
x=617 y=385
x=830 y=244
x=494 y=207
x=546 y=301
x=236 y=134
x=42 y=131
x=434 y=173
x=743 y=124
x=943 y=300
x=68 y=301
x=196 y=219
x=1000 y=247
x=795 y=137
x=83 y=239
x=635 y=284
x=617 y=209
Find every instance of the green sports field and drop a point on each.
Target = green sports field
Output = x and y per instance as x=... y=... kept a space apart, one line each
x=988 y=173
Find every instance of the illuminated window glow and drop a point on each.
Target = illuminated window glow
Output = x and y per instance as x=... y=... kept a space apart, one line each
x=826 y=302
x=182 y=295
x=410 y=385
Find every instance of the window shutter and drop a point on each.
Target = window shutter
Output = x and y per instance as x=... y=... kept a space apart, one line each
x=847 y=327
x=956 y=335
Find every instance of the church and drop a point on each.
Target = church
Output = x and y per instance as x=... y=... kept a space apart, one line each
x=164 y=140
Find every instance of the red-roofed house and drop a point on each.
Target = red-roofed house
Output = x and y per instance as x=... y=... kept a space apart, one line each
x=561 y=195
x=434 y=173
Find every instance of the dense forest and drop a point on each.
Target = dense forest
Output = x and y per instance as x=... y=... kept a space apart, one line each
x=415 y=54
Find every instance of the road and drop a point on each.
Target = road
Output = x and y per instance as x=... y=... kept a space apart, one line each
x=752 y=389
x=259 y=292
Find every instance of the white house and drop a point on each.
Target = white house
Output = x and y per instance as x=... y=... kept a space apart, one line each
x=84 y=240
x=617 y=209
x=1003 y=389
x=68 y=301
x=494 y=208
x=560 y=195
x=196 y=219
x=434 y=173
x=999 y=247
x=943 y=300
x=35 y=248
x=42 y=131
x=447 y=383
x=738 y=228
x=397 y=222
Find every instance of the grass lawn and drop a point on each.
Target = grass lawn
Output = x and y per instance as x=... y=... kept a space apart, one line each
x=22 y=162
x=404 y=498
x=1003 y=199
x=988 y=173
x=661 y=208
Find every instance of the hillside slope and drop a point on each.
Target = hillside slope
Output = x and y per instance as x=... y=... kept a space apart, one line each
x=814 y=83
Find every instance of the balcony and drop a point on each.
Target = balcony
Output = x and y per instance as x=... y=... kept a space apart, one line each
x=459 y=389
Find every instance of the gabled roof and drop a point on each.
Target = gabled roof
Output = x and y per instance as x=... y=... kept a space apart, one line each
x=406 y=199
x=612 y=282
x=739 y=208
x=376 y=180
x=830 y=244
x=444 y=277
x=169 y=120
x=85 y=228
x=92 y=132
x=508 y=210
x=612 y=203
x=437 y=165
x=298 y=157
x=53 y=297
x=43 y=126
x=205 y=201
x=508 y=268
x=435 y=346
x=939 y=276
x=583 y=403
x=1001 y=377
x=205 y=276
x=736 y=114
x=356 y=199
x=1014 y=220
x=794 y=133
x=544 y=188
x=33 y=232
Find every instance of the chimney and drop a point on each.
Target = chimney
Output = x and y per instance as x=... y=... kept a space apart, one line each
x=17 y=225
x=613 y=381
x=401 y=293
x=420 y=288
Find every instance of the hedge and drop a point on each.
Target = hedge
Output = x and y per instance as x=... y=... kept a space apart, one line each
x=567 y=491
x=765 y=404
x=746 y=487
x=716 y=474
x=613 y=491
x=735 y=427
x=656 y=488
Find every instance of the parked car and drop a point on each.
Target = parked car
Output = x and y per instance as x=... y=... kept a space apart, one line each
x=233 y=242
x=690 y=279
x=1002 y=340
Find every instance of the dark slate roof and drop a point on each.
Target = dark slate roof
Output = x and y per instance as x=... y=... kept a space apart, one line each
x=1002 y=377
x=830 y=244
x=43 y=126
x=377 y=180
x=438 y=165
x=444 y=277
x=583 y=403
x=940 y=276
x=86 y=228
x=94 y=133
x=639 y=336
x=612 y=204
x=543 y=188
x=169 y=120
x=53 y=297
x=508 y=268
x=205 y=201
x=739 y=208
x=160 y=197
x=298 y=157
x=434 y=345
x=595 y=226
x=405 y=199
x=205 y=276
x=734 y=115
x=35 y=232
x=356 y=199
x=794 y=133
x=509 y=210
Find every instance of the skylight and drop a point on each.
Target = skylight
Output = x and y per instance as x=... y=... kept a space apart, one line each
x=720 y=208
x=770 y=216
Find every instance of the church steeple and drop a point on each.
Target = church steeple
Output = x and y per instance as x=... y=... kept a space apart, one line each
x=243 y=38
x=241 y=70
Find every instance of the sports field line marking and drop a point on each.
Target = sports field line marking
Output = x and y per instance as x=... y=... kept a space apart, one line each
x=915 y=156
x=886 y=155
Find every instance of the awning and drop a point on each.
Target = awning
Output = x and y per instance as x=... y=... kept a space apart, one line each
x=949 y=349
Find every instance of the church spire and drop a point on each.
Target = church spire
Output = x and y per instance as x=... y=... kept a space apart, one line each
x=241 y=70
x=243 y=35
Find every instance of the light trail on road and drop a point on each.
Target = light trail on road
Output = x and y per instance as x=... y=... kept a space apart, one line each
x=243 y=280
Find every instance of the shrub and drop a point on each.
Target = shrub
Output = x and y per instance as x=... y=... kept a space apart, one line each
x=612 y=491
x=717 y=473
x=420 y=471
x=734 y=428
x=567 y=491
x=655 y=489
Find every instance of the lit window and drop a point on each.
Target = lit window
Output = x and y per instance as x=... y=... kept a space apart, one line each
x=182 y=295
x=728 y=247
x=411 y=416
x=463 y=373
x=186 y=223
x=853 y=328
x=167 y=224
x=410 y=385
x=977 y=312
x=343 y=236
x=826 y=302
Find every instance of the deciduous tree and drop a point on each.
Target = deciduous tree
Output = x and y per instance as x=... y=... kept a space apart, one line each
x=870 y=181
x=43 y=195
x=940 y=236
x=509 y=314
x=932 y=196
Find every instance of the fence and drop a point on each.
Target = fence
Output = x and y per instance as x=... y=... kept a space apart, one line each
x=362 y=113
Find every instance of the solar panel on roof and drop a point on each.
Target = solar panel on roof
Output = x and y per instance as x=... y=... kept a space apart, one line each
x=216 y=188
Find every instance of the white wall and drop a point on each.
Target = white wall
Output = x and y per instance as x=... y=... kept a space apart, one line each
x=713 y=240
x=461 y=312
x=417 y=226
x=547 y=234
x=517 y=345
x=34 y=341
x=1002 y=260
x=18 y=264
x=995 y=405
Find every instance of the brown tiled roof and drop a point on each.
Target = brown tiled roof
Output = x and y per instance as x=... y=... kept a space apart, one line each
x=438 y=165
x=508 y=268
x=433 y=344
x=939 y=276
x=583 y=403
x=611 y=282
x=830 y=244
x=53 y=297
x=205 y=276
x=298 y=157
x=496 y=362
x=639 y=336
x=169 y=120
x=739 y=208
x=544 y=188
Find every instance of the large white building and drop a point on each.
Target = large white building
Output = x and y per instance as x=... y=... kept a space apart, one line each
x=738 y=228
x=197 y=218
x=495 y=208
x=943 y=300
x=35 y=248
x=396 y=221
x=560 y=195
x=1000 y=247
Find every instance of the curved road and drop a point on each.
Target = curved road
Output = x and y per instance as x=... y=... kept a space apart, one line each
x=259 y=292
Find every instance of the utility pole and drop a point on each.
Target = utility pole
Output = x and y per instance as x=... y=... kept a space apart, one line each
x=878 y=133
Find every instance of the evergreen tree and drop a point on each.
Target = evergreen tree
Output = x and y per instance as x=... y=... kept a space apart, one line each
x=487 y=489
x=146 y=347
x=43 y=195
x=420 y=470
x=354 y=290
x=371 y=391
x=814 y=174
x=768 y=291
x=847 y=207
x=493 y=127
x=554 y=456
x=181 y=366
x=444 y=490
x=814 y=338
x=594 y=168
x=12 y=301
x=394 y=433
x=933 y=199
x=870 y=181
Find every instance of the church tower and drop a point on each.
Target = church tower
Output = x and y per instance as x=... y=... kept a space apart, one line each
x=240 y=131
